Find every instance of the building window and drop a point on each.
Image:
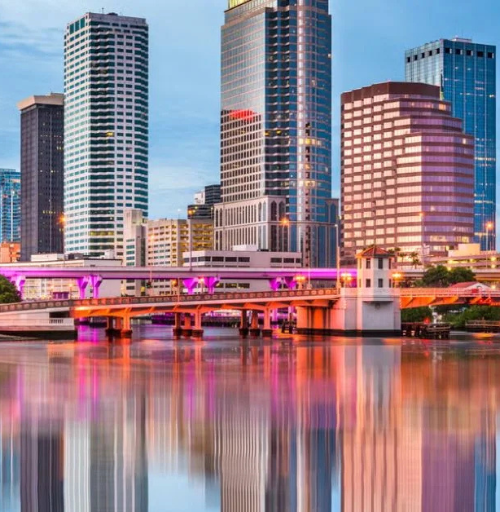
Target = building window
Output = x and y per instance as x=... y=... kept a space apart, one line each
x=368 y=264
x=380 y=264
x=380 y=283
x=368 y=283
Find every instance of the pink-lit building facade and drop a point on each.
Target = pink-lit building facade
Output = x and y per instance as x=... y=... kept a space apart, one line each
x=407 y=171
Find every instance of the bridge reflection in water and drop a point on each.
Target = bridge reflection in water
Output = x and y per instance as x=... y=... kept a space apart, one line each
x=259 y=426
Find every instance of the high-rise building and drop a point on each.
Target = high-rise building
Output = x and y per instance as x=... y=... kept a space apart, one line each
x=466 y=73
x=105 y=129
x=42 y=175
x=10 y=205
x=204 y=202
x=276 y=127
x=407 y=171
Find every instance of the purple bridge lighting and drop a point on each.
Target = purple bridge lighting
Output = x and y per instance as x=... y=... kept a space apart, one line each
x=209 y=277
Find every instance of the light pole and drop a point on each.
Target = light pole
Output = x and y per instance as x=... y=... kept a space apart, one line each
x=285 y=222
x=337 y=250
x=422 y=215
x=151 y=250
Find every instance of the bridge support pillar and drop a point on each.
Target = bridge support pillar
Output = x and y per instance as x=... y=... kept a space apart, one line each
x=244 y=323
x=190 y=284
x=95 y=282
x=187 y=329
x=110 y=326
x=19 y=281
x=126 y=330
x=177 y=331
x=254 y=325
x=82 y=283
x=267 y=331
x=275 y=283
x=198 y=330
x=211 y=283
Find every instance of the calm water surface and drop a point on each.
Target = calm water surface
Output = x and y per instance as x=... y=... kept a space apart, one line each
x=288 y=425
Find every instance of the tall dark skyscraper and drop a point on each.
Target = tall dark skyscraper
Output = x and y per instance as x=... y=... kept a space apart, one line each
x=466 y=73
x=42 y=174
x=276 y=127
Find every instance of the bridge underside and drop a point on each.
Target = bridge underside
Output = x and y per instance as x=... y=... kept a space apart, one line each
x=95 y=311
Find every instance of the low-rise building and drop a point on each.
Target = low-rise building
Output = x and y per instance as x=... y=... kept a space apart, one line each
x=36 y=289
x=469 y=256
x=10 y=252
x=242 y=257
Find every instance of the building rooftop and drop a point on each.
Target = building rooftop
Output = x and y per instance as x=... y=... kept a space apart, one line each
x=373 y=252
x=54 y=98
x=401 y=88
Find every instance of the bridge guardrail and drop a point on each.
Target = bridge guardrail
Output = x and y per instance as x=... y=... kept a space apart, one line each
x=447 y=292
x=134 y=301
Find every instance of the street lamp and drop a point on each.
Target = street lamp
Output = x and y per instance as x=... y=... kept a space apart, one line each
x=337 y=256
x=285 y=222
x=422 y=215
x=151 y=250
x=397 y=277
x=346 y=279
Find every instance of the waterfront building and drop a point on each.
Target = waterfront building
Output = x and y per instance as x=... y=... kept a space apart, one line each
x=36 y=289
x=105 y=129
x=42 y=175
x=407 y=171
x=10 y=205
x=466 y=74
x=276 y=127
x=204 y=202
x=244 y=257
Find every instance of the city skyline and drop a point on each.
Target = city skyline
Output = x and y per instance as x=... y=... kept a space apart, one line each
x=185 y=117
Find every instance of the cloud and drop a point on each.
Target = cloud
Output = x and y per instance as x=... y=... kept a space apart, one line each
x=184 y=83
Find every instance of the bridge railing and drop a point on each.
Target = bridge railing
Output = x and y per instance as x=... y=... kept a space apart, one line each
x=184 y=299
x=448 y=292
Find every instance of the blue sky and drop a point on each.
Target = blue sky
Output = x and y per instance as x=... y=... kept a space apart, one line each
x=370 y=37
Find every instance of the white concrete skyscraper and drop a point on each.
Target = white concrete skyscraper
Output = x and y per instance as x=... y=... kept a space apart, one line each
x=105 y=129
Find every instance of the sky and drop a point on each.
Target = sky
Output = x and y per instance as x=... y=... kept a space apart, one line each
x=369 y=40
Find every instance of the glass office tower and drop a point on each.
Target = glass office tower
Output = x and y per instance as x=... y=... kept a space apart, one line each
x=466 y=73
x=105 y=129
x=10 y=205
x=276 y=127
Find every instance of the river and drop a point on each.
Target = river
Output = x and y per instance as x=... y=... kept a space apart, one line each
x=334 y=424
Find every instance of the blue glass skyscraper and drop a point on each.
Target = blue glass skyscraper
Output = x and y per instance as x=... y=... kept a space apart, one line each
x=466 y=73
x=10 y=205
x=276 y=127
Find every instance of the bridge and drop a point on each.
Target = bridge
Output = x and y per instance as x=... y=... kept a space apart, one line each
x=208 y=277
x=314 y=307
x=421 y=297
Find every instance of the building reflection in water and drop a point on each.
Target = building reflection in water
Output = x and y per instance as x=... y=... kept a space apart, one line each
x=264 y=427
